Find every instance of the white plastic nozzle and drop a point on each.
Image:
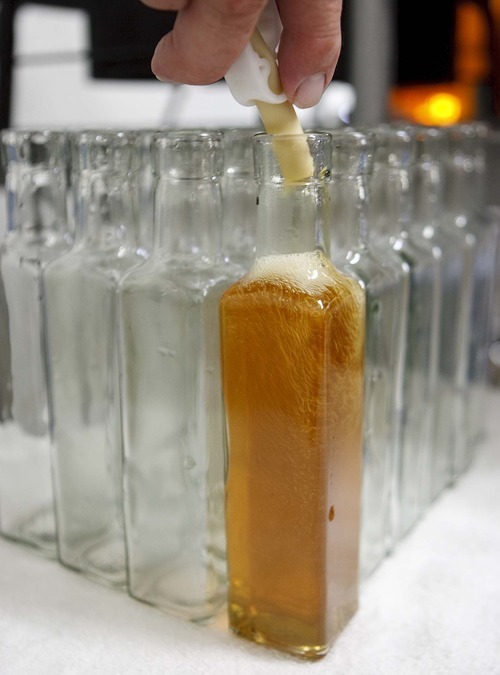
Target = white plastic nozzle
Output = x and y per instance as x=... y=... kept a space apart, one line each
x=249 y=77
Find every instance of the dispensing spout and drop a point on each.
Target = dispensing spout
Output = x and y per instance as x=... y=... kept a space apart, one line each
x=254 y=79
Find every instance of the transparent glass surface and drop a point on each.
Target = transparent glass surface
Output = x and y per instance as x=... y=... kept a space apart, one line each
x=386 y=299
x=174 y=461
x=393 y=214
x=452 y=250
x=146 y=191
x=464 y=172
x=35 y=163
x=420 y=379
x=483 y=275
x=86 y=435
x=449 y=438
x=26 y=498
x=239 y=197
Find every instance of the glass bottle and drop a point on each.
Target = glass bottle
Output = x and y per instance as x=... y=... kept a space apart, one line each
x=453 y=253
x=464 y=167
x=385 y=279
x=292 y=361
x=172 y=401
x=81 y=324
x=35 y=163
x=393 y=185
x=239 y=197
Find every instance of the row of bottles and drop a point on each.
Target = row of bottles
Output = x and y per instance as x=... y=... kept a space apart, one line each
x=111 y=392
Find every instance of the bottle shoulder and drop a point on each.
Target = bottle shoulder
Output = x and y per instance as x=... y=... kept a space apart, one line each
x=376 y=267
x=80 y=262
x=308 y=277
x=37 y=250
x=161 y=276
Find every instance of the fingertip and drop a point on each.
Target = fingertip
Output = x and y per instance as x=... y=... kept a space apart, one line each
x=160 y=59
x=193 y=57
x=309 y=49
x=309 y=91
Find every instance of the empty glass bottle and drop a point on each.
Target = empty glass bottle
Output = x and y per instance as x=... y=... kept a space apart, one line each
x=292 y=359
x=80 y=306
x=239 y=196
x=453 y=254
x=172 y=401
x=394 y=161
x=464 y=164
x=385 y=279
x=35 y=163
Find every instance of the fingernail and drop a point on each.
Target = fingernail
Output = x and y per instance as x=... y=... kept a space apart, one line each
x=310 y=91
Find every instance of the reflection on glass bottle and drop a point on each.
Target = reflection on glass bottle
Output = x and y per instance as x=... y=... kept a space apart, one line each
x=394 y=192
x=239 y=198
x=172 y=401
x=35 y=165
x=385 y=279
x=453 y=253
x=146 y=186
x=463 y=182
x=80 y=305
x=292 y=358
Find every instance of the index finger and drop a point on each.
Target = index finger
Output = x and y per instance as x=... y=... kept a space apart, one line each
x=207 y=37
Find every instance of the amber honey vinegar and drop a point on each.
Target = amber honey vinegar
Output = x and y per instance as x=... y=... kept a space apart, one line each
x=292 y=357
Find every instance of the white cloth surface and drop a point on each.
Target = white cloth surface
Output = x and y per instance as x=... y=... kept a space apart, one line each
x=432 y=608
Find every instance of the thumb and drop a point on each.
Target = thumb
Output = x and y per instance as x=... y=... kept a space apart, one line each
x=309 y=48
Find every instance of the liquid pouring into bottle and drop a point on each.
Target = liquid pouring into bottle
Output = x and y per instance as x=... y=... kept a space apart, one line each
x=254 y=79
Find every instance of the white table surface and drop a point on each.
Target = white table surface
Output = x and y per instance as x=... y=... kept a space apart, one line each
x=432 y=608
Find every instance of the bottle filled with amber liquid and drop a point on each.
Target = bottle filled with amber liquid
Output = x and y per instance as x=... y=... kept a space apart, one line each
x=292 y=333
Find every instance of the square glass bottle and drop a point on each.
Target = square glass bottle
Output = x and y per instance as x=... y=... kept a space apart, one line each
x=80 y=294
x=292 y=335
x=172 y=401
x=36 y=183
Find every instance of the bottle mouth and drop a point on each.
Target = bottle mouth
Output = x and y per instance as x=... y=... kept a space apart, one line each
x=293 y=159
x=352 y=154
x=37 y=148
x=187 y=154
x=105 y=151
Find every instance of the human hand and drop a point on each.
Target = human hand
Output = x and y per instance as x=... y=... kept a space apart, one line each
x=209 y=35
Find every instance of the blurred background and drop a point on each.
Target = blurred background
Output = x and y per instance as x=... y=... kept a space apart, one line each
x=87 y=62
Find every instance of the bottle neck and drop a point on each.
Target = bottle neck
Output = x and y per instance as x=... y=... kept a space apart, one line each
x=239 y=222
x=292 y=218
x=349 y=204
x=107 y=210
x=461 y=188
x=36 y=202
x=428 y=198
x=188 y=217
x=392 y=203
